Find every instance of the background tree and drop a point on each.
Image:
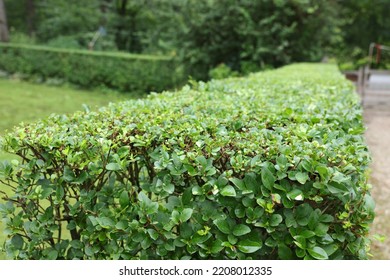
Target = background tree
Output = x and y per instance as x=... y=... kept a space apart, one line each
x=363 y=22
x=4 y=36
x=30 y=18
x=245 y=35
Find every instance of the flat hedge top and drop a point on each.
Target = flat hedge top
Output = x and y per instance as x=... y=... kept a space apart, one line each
x=305 y=115
x=86 y=52
x=303 y=108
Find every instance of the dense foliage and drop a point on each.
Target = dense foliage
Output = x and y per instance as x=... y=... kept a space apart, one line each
x=272 y=166
x=363 y=22
x=245 y=35
x=120 y=71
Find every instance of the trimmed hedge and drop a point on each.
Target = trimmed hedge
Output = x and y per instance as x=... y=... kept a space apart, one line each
x=90 y=69
x=271 y=166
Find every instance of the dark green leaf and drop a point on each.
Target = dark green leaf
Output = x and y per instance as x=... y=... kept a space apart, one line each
x=318 y=253
x=222 y=225
x=17 y=241
x=267 y=177
x=239 y=230
x=284 y=252
x=124 y=199
x=303 y=213
x=249 y=246
x=53 y=254
x=216 y=246
x=68 y=174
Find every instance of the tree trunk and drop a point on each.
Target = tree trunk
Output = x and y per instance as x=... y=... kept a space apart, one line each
x=4 y=36
x=30 y=17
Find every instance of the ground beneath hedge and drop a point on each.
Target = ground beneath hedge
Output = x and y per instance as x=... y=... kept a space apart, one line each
x=377 y=120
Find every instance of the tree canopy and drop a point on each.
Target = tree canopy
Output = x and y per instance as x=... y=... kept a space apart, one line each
x=245 y=35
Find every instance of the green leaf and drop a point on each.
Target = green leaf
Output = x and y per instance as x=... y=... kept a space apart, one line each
x=143 y=198
x=303 y=213
x=68 y=174
x=238 y=183
x=153 y=233
x=228 y=191
x=300 y=241
x=325 y=218
x=122 y=225
x=105 y=222
x=318 y=253
x=295 y=194
x=321 y=229
x=249 y=246
x=191 y=170
x=222 y=225
x=169 y=188
x=282 y=161
x=301 y=177
x=77 y=244
x=336 y=188
x=52 y=255
x=113 y=166
x=307 y=233
x=81 y=178
x=124 y=199
x=239 y=230
x=186 y=214
x=323 y=171
x=369 y=204
x=175 y=216
x=17 y=241
x=232 y=239
x=267 y=177
x=275 y=220
x=216 y=247
x=152 y=208
x=285 y=252
x=290 y=220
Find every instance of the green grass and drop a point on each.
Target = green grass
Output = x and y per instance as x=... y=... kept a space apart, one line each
x=26 y=102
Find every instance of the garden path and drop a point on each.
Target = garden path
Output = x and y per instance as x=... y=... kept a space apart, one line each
x=377 y=121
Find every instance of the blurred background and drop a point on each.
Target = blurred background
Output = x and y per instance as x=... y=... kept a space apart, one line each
x=244 y=35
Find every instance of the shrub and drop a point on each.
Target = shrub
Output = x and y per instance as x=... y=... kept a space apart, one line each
x=222 y=71
x=271 y=166
x=89 y=69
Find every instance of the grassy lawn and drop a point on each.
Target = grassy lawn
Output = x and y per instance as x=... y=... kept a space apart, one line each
x=26 y=102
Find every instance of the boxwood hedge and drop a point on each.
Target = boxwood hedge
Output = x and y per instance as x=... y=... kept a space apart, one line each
x=91 y=69
x=270 y=166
